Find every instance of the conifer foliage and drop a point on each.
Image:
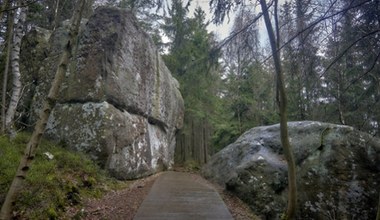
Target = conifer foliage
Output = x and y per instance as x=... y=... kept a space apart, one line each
x=193 y=62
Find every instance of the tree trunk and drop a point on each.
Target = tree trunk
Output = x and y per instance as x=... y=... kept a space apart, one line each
x=200 y=142
x=205 y=141
x=282 y=104
x=378 y=209
x=16 y=88
x=55 y=19
x=340 y=101
x=49 y=104
x=192 y=136
x=6 y=70
x=186 y=146
x=300 y=59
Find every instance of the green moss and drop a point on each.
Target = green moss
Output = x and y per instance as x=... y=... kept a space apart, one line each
x=52 y=214
x=52 y=184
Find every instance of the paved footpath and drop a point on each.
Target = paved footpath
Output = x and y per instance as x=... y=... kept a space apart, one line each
x=180 y=196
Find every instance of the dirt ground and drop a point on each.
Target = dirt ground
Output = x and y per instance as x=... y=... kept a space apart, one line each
x=123 y=204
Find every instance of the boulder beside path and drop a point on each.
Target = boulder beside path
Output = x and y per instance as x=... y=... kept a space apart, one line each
x=338 y=171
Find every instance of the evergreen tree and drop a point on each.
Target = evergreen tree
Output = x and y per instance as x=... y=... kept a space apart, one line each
x=248 y=86
x=192 y=61
x=300 y=59
x=351 y=77
x=50 y=14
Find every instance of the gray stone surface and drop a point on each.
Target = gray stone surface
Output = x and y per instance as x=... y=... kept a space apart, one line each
x=178 y=196
x=34 y=50
x=338 y=171
x=119 y=103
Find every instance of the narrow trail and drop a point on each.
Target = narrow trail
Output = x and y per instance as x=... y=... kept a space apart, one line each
x=124 y=204
x=180 y=196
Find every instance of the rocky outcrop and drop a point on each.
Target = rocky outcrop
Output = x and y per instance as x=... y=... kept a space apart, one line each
x=34 y=50
x=338 y=171
x=119 y=102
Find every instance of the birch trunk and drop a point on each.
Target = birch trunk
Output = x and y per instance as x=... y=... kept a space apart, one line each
x=49 y=104
x=6 y=70
x=15 y=62
x=55 y=21
x=282 y=105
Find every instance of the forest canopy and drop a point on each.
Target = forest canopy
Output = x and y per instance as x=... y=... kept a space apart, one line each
x=329 y=53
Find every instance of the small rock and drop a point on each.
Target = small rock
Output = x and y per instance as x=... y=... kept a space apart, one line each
x=49 y=156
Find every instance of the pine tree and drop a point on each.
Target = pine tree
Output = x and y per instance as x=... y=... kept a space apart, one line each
x=192 y=62
x=351 y=65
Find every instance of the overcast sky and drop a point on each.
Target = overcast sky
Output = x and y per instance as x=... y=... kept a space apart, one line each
x=222 y=31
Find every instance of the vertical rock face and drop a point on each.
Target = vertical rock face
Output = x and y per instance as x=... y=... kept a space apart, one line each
x=119 y=102
x=34 y=50
x=338 y=171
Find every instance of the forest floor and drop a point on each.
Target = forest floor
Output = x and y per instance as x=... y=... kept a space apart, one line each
x=123 y=204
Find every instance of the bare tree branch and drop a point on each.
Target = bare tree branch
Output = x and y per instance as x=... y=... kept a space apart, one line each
x=25 y=4
x=319 y=20
x=365 y=73
x=233 y=35
x=346 y=50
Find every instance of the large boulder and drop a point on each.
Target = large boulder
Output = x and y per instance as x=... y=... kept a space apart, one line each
x=338 y=171
x=118 y=102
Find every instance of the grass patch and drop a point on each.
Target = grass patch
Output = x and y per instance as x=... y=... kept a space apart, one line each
x=52 y=185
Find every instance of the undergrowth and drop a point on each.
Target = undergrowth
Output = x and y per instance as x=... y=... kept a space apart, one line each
x=52 y=185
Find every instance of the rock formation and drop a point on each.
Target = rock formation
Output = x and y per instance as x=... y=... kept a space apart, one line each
x=338 y=171
x=119 y=102
x=34 y=50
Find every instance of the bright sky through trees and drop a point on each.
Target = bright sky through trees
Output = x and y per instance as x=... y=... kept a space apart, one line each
x=222 y=31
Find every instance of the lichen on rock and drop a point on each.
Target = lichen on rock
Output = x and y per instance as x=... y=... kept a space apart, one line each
x=337 y=171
